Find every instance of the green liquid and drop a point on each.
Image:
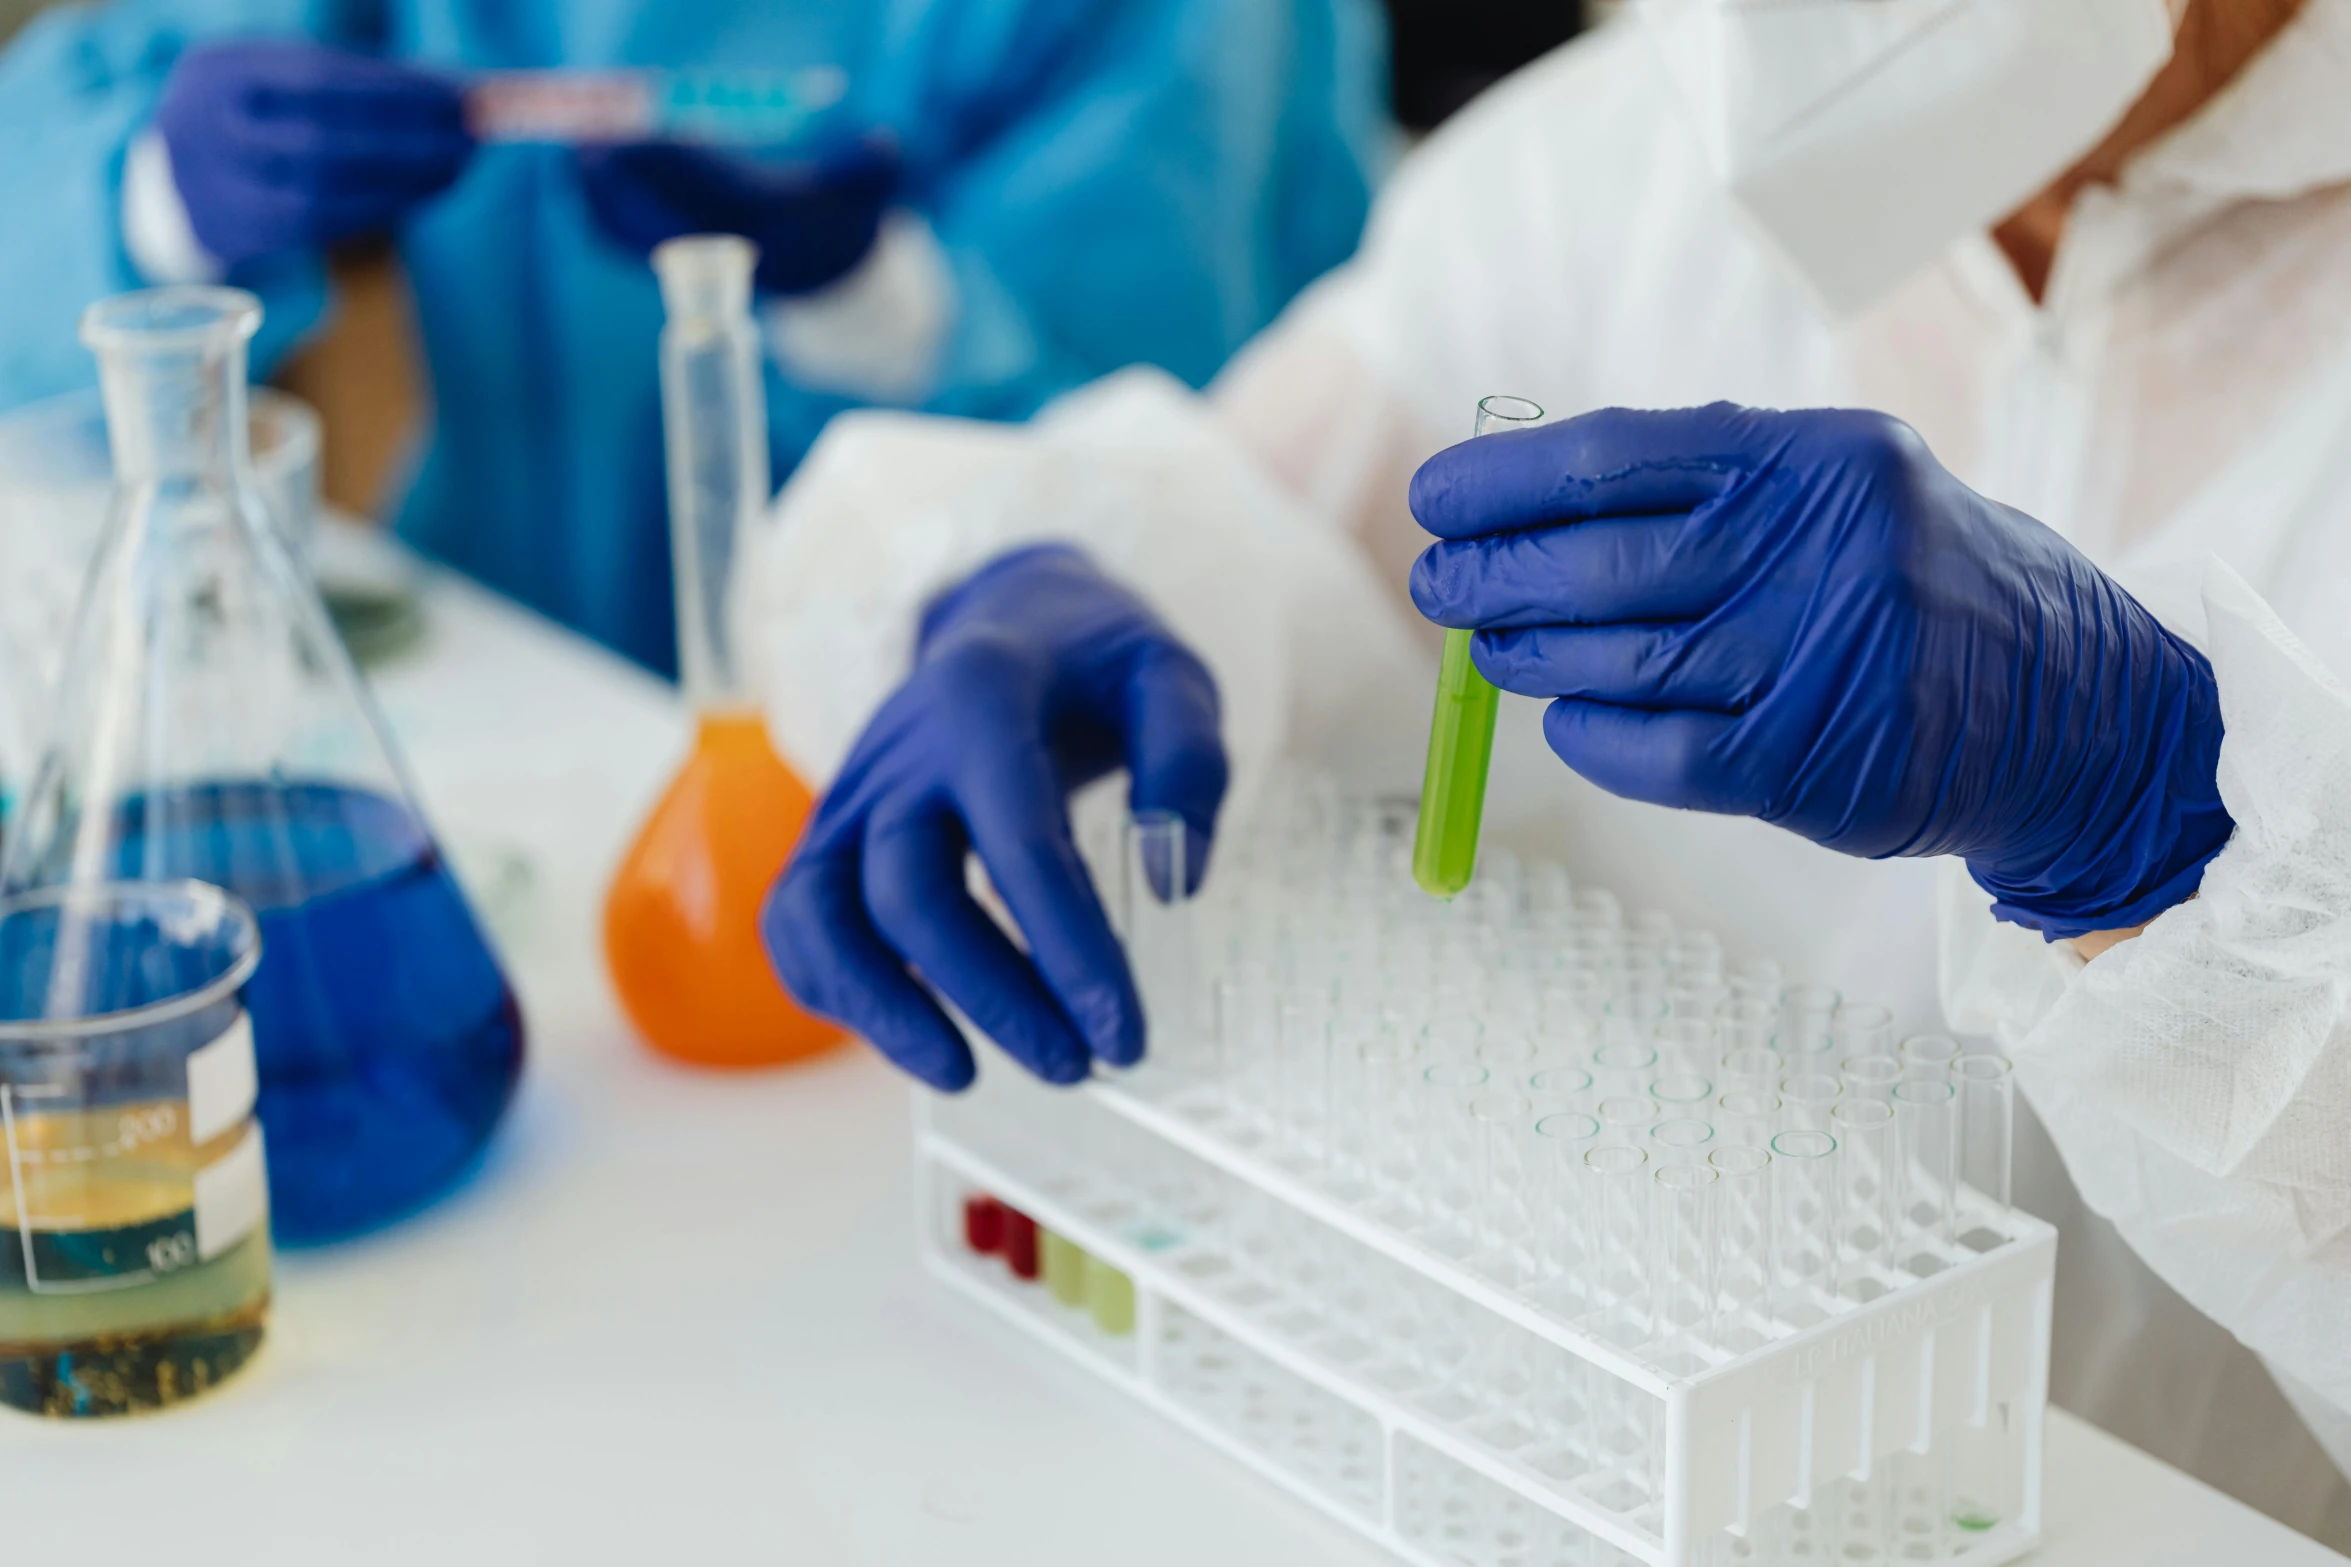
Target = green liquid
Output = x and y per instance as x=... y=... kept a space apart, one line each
x=1110 y=1296
x=1453 y=790
x=1064 y=1268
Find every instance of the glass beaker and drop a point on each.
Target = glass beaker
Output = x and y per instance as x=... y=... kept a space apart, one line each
x=681 y=921
x=134 y=1252
x=209 y=725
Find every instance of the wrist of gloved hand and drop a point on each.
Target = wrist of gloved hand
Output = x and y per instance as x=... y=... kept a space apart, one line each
x=2160 y=816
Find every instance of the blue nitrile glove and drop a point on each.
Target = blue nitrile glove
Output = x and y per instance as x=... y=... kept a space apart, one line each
x=1033 y=677
x=813 y=217
x=276 y=145
x=1802 y=617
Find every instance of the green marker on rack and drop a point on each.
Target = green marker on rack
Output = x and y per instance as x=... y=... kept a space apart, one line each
x=1461 y=731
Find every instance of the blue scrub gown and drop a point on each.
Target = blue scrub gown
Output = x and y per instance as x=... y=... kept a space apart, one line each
x=1113 y=181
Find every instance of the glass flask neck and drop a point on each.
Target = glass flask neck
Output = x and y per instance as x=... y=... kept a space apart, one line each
x=714 y=425
x=171 y=366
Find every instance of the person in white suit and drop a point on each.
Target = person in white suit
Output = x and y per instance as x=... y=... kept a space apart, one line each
x=2057 y=660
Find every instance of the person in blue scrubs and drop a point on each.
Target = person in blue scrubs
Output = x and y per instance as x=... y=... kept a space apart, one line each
x=1011 y=197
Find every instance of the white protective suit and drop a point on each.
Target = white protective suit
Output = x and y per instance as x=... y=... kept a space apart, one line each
x=2180 y=407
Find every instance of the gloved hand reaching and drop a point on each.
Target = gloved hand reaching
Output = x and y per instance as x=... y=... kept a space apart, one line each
x=276 y=145
x=1034 y=677
x=1802 y=617
x=813 y=218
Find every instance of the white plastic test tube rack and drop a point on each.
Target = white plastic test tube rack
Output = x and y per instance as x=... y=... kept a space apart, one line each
x=1486 y=1229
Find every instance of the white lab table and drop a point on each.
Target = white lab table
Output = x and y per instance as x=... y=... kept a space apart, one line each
x=678 y=1317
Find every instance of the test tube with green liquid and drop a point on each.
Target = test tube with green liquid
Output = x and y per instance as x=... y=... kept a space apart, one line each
x=1461 y=730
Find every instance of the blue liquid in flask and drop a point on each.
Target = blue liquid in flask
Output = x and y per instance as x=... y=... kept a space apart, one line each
x=387 y=1038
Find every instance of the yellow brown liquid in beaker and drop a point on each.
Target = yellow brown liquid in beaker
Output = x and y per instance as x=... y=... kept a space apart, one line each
x=103 y=1198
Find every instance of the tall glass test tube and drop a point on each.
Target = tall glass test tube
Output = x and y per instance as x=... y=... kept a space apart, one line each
x=1159 y=886
x=1461 y=731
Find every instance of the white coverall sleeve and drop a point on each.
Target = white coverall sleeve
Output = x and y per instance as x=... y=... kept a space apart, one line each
x=2197 y=1079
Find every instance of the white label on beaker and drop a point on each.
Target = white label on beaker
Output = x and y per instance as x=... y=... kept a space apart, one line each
x=232 y=1196
x=221 y=1082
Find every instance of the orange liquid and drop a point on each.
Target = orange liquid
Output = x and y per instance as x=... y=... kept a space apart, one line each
x=681 y=923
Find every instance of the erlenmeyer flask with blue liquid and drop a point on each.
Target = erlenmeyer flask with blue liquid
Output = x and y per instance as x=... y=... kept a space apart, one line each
x=209 y=725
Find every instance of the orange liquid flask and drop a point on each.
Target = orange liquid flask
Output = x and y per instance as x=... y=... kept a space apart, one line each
x=681 y=922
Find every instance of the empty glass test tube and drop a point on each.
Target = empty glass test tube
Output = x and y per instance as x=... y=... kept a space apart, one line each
x=1987 y=1126
x=1689 y=1045
x=1926 y=1132
x=1804 y=1225
x=1160 y=884
x=1756 y=979
x=1681 y=1139
x=1616 y=1224
x=1506 y=1201
x=1623 y=1067
x=1304 y=1049
x=1684 y=1231
x=1869 y=1076
x=1449 y=1151
x=1928 y=1056
x=1867 y=1195
x=1682 y=1093
x=1248 y=1025
x=1748 y=1023
x=1461 y=731
x=1386 y=1065
x=1744 y=1274
x=1557 y=1088
x=1751 y=1066
x=1806 y=1097
x=1561 y=1141
x=1805 y=1011
x=1746 y=1118
x=1860 y=1029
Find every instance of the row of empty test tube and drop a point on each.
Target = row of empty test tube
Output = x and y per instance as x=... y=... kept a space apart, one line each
x=1688 y=1156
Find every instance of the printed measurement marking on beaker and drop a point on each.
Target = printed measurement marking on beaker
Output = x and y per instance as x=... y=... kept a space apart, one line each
x=133 y=1128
